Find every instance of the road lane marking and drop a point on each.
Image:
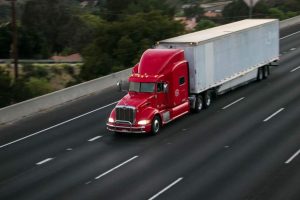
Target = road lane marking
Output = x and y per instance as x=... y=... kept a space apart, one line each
x=295 y=69
x=293 y=49
x=94 y=138
x=166 y=188
x=271 y=116
x=293 y=156
x=290 y=35
x=62 y=123
x=116 y=167
x=233 y=103
x=44 y=161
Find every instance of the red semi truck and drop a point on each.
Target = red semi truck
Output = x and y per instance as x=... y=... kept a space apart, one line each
x=181 y=74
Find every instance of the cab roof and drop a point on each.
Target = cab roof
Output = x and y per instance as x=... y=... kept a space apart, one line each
x=156 y=62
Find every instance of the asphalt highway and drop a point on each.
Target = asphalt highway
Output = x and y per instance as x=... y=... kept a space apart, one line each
x=246 y=146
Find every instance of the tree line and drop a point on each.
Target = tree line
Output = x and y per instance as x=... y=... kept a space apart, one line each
x=110 y=35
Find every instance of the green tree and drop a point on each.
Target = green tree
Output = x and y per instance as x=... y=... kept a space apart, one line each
x=37 y=87
x=114 y=10
x=205 y=24
x=276 y=13
x=4 y=12
x=193 y=11
x=238 y=10
x=5 y=41
x=120 y=44
x=24 y=89
x=5 y=88
x=57 y=25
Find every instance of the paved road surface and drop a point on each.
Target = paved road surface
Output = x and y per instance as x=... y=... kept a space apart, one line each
x=232 y=151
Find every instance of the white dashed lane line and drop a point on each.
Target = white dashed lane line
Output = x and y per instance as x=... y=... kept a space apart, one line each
x=293 y=156
x=293 y=70
x=94 y=138
x=166 y=188
x=225 y=107
x=273 y=115
x=44 y=161
x=116 y=167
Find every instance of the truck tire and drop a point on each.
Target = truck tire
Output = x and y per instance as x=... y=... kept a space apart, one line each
x=207 y=99
x=155 y=125
x=199 y=104
x=260 y=74
x=266 y=71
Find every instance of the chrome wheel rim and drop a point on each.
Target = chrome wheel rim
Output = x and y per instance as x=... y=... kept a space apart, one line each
x=156 y=126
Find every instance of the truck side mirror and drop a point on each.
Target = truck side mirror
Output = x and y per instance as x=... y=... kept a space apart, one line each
x=119 y=84
x=122 y=87
x=166 y=87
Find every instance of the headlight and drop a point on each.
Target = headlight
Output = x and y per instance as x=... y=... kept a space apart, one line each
x=111 y=120
x=143 y=122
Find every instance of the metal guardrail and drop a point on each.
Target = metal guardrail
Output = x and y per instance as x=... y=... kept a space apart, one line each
x=29 y=61
x=32 y=106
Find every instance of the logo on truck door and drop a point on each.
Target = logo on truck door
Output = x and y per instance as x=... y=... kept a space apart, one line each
x=176 y=93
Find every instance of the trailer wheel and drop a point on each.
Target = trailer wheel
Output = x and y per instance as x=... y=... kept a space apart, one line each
x=155 y=126
x=199 y=104
x=260 y=74
x=266 y=71
x=207 y=99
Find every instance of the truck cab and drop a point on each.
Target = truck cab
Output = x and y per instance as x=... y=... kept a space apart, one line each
x=158 y=93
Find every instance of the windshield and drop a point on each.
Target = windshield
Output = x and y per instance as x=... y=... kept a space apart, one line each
x=141 y=87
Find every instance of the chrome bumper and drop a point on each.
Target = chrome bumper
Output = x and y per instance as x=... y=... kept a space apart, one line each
x=126 y=129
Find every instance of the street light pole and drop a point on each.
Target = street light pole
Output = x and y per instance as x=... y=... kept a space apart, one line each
x=14 y=37
x=250 y=9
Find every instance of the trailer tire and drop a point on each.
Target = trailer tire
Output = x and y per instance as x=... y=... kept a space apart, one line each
x=260 y=74
x=266 y=71
x=198 y=104
x=155 y=125
x=207 y=96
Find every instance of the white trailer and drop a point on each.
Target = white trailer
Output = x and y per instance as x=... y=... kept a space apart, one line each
x=226 y=56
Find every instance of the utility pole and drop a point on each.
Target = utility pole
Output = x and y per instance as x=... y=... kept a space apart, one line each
x=14 y=37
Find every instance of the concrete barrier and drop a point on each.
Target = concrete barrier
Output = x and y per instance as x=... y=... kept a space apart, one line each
x=32 y=106
x=289 y=22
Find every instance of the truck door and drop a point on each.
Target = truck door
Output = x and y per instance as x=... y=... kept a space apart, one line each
x=161 y=96
x=180 y=84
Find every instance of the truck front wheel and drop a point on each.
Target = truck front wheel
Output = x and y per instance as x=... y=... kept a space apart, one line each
x=155 y=126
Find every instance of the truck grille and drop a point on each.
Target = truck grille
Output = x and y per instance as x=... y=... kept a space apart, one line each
x=125 y=114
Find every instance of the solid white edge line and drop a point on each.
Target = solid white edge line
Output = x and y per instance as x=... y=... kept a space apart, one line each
x=94 y=138
x=271 y=116
x=289 y=35
x=44 y=161
x=292 y=158
x=295 y=69
x=116 y=167
x=166 y=188
x=44 y=130
x=233 y=103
